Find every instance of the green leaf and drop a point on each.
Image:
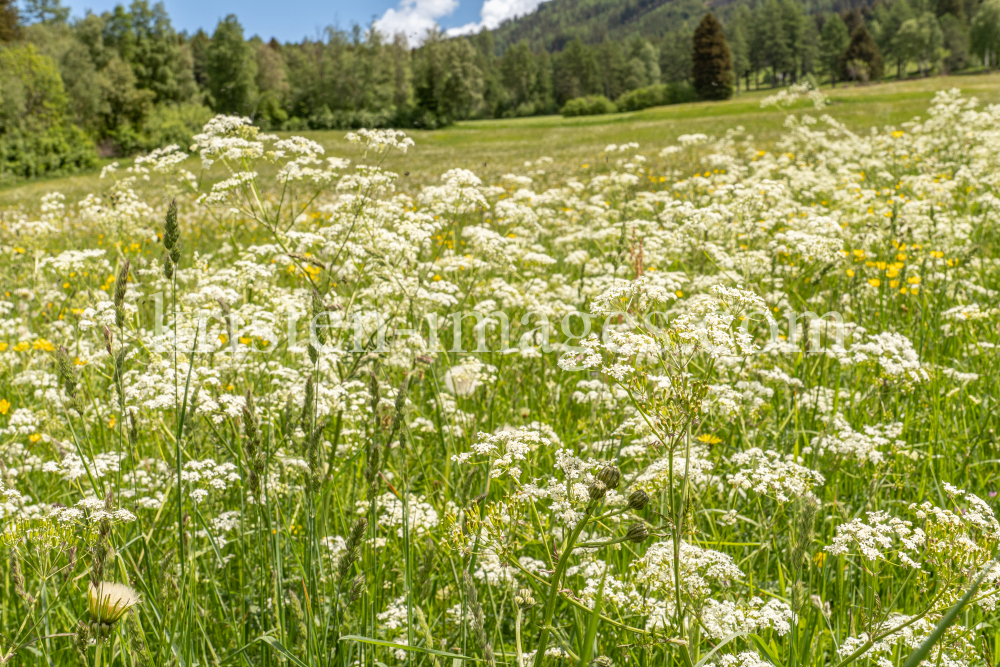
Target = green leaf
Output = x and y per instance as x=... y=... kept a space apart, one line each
x=934 y=637
x=686 y=656
x=405 y=647
x=595 y=616
x=277 y=646
x=769 y=653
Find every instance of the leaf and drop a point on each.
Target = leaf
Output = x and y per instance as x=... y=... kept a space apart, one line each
x=277 y=646
x=237 y=652
x=766 y=649
x=595 y=616
x=405 y=647
x=686 y=656
x=934 y=637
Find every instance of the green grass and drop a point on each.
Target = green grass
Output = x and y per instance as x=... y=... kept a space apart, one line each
x=494 y=147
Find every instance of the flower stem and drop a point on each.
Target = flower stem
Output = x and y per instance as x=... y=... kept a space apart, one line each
x=517 y=636
x=550 y=601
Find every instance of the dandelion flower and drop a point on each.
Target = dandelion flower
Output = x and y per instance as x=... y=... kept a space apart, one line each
x=108 y=602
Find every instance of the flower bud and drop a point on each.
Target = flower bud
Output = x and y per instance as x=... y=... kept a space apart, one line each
x=523 y=599
x=601 y=661
x=610 y=475
x=638 y=499
x=597 y=490
x=637 y=533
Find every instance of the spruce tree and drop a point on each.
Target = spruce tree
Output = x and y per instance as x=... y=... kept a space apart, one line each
x=864 y=49
x=711 y=64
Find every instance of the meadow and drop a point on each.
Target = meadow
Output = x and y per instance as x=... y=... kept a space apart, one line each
x=704 y=385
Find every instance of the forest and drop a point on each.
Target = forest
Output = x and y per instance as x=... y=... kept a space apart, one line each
x=75 y=89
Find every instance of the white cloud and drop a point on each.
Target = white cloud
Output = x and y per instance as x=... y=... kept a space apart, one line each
x=495 y=12
x=414 y=18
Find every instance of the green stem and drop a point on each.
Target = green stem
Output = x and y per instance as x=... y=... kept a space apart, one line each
x=100 y=650
x=517 y=637
x=550 y=602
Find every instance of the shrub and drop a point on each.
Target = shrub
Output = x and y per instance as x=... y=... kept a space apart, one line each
x=166 y=124
x=655 y=96
x=591 y=105
x=58 y=149
x=348 y=119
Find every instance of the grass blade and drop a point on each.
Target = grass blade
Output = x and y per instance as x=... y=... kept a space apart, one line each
x=934 y=637
x=404 y=647
x=279 y=647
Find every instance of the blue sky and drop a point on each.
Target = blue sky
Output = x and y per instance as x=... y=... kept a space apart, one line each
x=291 y=20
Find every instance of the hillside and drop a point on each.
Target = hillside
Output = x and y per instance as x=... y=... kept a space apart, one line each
x=555 y=23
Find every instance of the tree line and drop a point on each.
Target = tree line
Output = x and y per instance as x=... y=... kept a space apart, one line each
x=127 y=81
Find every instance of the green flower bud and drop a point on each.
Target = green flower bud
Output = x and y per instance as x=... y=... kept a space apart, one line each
x=637 y=533
x=610 y=475
x=638 y=499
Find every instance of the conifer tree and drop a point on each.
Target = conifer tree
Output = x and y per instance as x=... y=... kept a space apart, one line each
x=863 y=49
x=833 y=43
x=711 y=63
x=739 y=51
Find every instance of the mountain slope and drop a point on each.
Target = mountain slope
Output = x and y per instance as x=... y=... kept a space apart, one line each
x=555 y=23
x=558 y=22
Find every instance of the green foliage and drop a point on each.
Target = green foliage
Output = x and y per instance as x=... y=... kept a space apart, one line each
x=920 y=39
x=9 y=18
x=231 y=69
x=738 y=47
x=675 y=55
x=956 y=42
x=35 y=137
x=45 y=11
x=555 y=24
x=834 y=41
x=654 y=96
x=165 y=124
x=145 y=39
x=712 y=66
x=591 y=105
x=59 y=149
x=984 y=35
